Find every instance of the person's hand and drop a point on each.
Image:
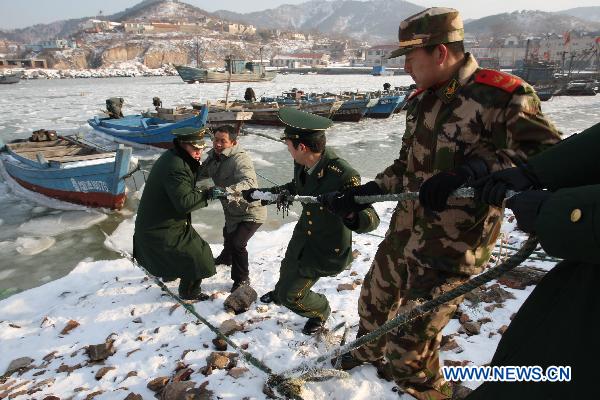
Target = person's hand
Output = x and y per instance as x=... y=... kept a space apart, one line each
x=337 y=203
x=247 y=195
x=344 y=203
x=436 y=190
x=492 y=189
x=216 y=192
x=526 y=206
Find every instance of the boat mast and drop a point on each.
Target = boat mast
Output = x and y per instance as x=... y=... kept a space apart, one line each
x=228 y=84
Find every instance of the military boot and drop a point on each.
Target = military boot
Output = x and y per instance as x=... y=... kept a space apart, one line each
x=313 y=325
x=190 y=290
x=268 y=297
x=347 y=361
x=237 y=284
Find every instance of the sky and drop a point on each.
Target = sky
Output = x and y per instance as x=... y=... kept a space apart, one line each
x=18 y=14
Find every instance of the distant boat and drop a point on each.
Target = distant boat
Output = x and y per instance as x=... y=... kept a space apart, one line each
x=69 y=170
x=354 y=110
x=140 y=131
x=235 y=70
x=379 y=70
x=578 y=88
x=386 y=105
x=10 y=78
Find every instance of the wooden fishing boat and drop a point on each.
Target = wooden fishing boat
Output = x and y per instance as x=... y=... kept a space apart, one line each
x=143 y=130
x=67 y=169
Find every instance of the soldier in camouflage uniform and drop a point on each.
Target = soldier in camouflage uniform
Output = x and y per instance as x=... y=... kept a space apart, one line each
x=321 y=244
x=461 y=123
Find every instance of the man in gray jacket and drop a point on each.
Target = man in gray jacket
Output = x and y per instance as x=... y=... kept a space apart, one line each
x=231 y=169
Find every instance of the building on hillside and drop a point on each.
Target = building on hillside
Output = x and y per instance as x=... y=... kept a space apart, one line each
x=54 y=44
x=98 y=25
x=378 y=55
x=571 y=50
x=238 y=29
x=137 y=27
x=335 y=48
x=23 y=63
x=300 y=60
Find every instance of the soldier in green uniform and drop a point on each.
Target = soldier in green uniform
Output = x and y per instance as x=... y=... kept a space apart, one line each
x=462 y=122
x=321 y=243
x=164 y=241
x=552 y=327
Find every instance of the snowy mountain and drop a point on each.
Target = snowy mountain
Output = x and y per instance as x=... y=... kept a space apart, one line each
x=376 y=20
x=587 y=13
x=528 y=22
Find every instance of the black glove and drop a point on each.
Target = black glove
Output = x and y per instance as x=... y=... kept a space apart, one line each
x=492 y=188
x=526 y=206
x=247 y=195
x=342 y=203
x=435 y=191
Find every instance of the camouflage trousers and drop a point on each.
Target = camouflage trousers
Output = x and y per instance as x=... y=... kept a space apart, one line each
x=391 y=286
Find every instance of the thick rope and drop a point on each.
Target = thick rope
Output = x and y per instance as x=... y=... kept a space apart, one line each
x=310 y=367
x=190 y=308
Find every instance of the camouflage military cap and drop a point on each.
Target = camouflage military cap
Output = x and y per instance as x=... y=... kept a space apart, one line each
x=190 y=135
x=301 y=124
x=434 y=25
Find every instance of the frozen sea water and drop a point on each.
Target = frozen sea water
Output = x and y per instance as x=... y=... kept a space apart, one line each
x=65 y=105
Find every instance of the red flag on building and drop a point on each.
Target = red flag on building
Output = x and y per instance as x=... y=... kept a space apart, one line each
x=567 y=37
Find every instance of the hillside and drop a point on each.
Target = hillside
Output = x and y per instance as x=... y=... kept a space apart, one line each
x=528 y=22
x=586 y=13
x=375 y=20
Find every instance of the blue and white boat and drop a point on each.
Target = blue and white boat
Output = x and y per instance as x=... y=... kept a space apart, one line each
x=69 y=170
x=385 y=106
x=141 y=131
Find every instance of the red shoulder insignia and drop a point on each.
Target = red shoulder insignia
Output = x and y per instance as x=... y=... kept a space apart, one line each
x=415 y=93
x=507 y=82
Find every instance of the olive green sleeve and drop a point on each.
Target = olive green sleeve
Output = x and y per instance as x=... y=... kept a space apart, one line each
x=572 y=162
x=185 y=197
x=568 y=224
x=365 y=221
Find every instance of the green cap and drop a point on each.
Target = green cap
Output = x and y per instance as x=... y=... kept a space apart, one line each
x=301 y=124
x=190 y=135
x=435 y=25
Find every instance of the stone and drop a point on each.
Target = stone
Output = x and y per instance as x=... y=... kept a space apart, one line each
x=521 y=277
x=183 y=375
x=157 y=384
x=230 y=326
x=99 y=352
x=472 y=328
x=502 y=329
x=484 y=320
x=133 y=396
x=90 y=396
x=237 y=372
x=72 y=324
x=241 y=299
x=176 y=390
x=51 y=397
x=355 y=254
x=449 y=345
x=103 y=371
x=464 y=318
x=346 y=286
x=18 y=364
x=222 y=360
x=220 y=344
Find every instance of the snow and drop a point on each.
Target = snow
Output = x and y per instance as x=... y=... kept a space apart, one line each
x=112 y=298
x=53 y=225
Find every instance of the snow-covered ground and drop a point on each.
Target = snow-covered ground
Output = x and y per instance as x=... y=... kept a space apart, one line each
x=153 y=337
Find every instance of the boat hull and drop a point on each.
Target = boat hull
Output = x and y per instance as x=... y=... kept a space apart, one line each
x=139 y=130
x=201 y=75
x=94 y=183
x=385 y=107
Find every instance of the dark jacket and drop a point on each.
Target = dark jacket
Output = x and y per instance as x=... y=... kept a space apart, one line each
x=554 y=325
x=321 y=244
x=165 y=242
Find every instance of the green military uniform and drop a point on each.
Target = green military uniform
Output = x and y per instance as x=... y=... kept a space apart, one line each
x=552 y=327
x=321 y=244
x=477 y=113
x=164 y=241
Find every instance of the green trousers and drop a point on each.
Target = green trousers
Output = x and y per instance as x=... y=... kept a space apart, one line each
x=293 y=291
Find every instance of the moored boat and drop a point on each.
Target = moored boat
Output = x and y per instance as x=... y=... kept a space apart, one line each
x=9 y=78
x=67 y=169
x=235 y=71
x=142 y=130
x=386 y=105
